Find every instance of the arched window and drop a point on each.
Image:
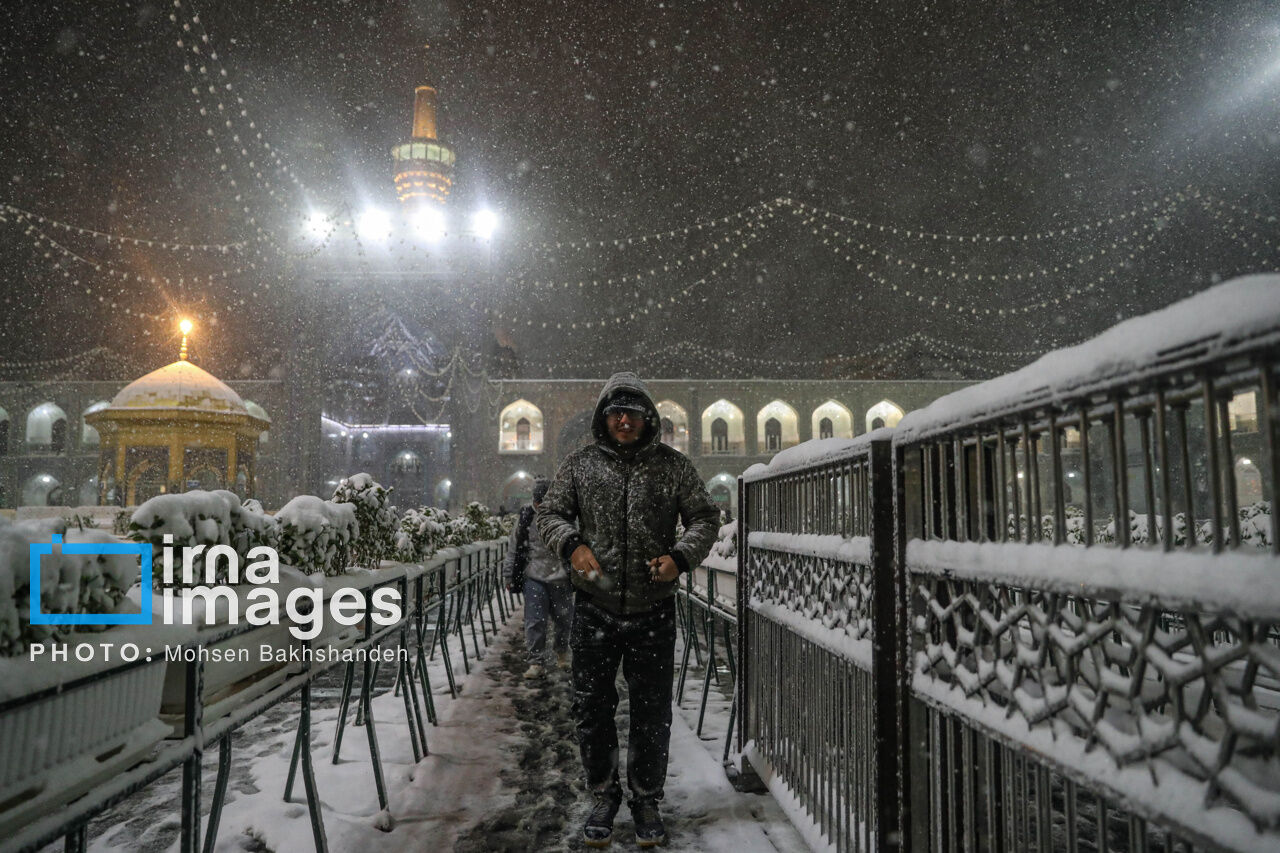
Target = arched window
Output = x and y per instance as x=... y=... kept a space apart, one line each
x=1248 y=482
x=675 y=425
x=520 y=428
x=723 y=488
x=784 y=433
x=442 y=492
x=88 y=435
x=883 y=414
x=773 y=435
x=839 y=419
x=517 y=491
x=1242 y=412
x=407 y=462
x=727 y=437
x=719 y=436
x=47 y=428
x=42 y=490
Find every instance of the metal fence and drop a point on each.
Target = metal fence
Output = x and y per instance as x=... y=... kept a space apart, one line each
x=456 y=596
x=1039 y=616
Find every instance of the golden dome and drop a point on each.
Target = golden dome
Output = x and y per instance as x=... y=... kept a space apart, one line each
x=182 y=386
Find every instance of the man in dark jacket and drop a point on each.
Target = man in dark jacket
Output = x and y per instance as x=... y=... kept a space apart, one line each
x=626 y=492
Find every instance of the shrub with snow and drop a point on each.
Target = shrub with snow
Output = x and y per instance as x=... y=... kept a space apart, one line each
x=316 y=535
x=423 y=531
x=375 y=514
x=191 y=518
x=69 y=583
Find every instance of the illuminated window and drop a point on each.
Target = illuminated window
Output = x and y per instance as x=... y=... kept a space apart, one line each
x=727 y=435
x=785 y=430
x=520 y=428
x=839 y=418
x=1242 y=412
x=47 y=428
x=883 y=414
x=407 y=462
x=826 y=429
x=675 y=425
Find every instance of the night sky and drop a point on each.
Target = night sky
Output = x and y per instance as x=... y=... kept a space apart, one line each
x=584 y=124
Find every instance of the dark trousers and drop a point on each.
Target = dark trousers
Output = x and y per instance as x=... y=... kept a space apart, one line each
x=645 y=646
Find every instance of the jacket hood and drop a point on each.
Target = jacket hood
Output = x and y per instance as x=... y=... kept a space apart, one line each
x=628 y=382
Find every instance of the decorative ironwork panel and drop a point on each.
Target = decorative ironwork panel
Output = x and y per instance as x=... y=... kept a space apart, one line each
x=1184 y=705
x=828 y=592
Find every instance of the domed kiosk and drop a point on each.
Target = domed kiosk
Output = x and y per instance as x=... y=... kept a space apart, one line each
x=177 y=428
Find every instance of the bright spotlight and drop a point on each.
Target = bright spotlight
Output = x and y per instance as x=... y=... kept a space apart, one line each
x=484 y=222
x=185 y=326
x=429 y=223
x=318 y=225
x=374 y=225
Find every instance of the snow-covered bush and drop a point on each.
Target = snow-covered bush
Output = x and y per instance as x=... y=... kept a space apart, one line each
x=474 y=525
x=250 y=527
x=69 y=583
x=726 y=544
x=1255 y=528
x=423 y=531
x=191 y=518
x=375 y=515
x=316 y=535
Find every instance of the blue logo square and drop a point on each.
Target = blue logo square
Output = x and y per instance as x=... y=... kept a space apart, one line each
x=144 y=560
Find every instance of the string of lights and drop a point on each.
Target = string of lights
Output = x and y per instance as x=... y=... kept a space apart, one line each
x=917 y=233
x=617 y=317
x=149 y=242
x=947 y=304
x=655 y=236
x=764 y=212
x=954 y=275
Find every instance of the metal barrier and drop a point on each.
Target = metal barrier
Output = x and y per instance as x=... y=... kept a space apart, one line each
x=701 y=607
x=1041 y=614
x=1124 y=696
x=465 y=587
x=818 y=704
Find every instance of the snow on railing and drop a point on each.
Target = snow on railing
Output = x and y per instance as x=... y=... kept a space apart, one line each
x=1146 y=668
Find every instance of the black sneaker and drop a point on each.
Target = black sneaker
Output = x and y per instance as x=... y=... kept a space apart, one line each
x=649 y=829
x=598 y=830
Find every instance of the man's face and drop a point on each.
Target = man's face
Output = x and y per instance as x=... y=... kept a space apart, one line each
x=625 y=427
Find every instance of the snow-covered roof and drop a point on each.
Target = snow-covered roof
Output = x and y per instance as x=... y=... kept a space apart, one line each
x=180 y=385
x=1234 y=316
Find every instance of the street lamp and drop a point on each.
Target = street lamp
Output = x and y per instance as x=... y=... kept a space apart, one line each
x=374 y=225
x=429 y=223
x=318 y=225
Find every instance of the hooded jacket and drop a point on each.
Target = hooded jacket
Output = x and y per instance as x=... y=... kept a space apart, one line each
x=543 y=564
x=626 y=502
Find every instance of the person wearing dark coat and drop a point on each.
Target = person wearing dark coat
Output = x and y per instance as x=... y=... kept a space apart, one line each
x=548 y=597
x=626 y=492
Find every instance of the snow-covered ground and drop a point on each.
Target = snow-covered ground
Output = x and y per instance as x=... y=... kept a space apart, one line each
x=503 y=775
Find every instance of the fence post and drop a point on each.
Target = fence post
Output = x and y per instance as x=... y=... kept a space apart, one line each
x=743 y=690
x=886 y=670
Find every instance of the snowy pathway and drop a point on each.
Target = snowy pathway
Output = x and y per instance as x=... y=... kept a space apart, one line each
x=503 y=775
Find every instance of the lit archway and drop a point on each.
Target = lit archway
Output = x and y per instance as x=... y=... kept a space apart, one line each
x=517 y=491
x=1248 y=482
x=777 y=427
x=47 y=428
x=724 y=492
x=883 y=414
x=442 y=492
x=42 y=490
x=832 y=420
x=407 y=462
x=722 y=423
x=520 y=428
x=88 y=434
x=675 y=425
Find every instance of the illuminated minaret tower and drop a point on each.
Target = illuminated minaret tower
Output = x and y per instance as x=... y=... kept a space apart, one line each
x=423 y=164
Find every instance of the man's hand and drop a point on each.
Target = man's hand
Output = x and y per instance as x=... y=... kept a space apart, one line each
x=584 y=562
x=663 y=569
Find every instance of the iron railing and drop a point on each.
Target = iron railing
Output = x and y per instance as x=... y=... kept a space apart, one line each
x=1042 y=614
x=459 y=591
